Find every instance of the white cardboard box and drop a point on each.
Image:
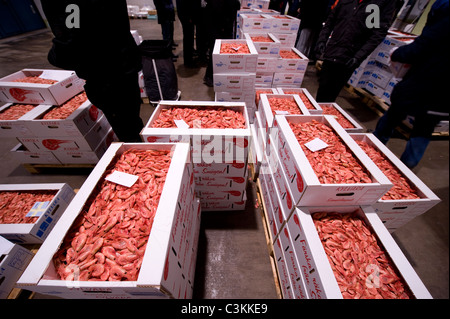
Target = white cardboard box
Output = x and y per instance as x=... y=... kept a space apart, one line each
x=306 y=190
x=76 y=124
x=291 y=79
x=88 y=142
x=284 y=24
x=316 y=106
x=37 y=232
x=399 y=212
x=234 y=82
x=266 y=64
x=227 y=145
x=161 y=274
x=283 y=274
x=255 y=23
x=86 y=157
x=13 y=261
x=356 y=127
x=19 y=127
x=236 y=168
x=287 y=40
x=32 y=93
x=266 y=113
x=311 y=253
x=24 y=156
x=265 y=48
x=285 y=65
x=264 y=79
x=234 y=63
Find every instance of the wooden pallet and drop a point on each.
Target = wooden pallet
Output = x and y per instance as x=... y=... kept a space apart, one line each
x=38 y=168
x=269 y=239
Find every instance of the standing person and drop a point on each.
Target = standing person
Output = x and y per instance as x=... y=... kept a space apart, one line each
x=347 y=38
x=221 y=16
x=166 y=17
x=102 y=51
x=422 y=92
x=312 y=14
x=188 y=12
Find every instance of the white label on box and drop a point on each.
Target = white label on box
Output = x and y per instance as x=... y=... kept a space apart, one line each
x=53 y=75
x=316 y=145
x=37 y=209
x=181 y=124
x=122 y=178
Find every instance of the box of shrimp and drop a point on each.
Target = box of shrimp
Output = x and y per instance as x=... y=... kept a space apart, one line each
x=284 y=23
x=30 y=211
x=37 y=86
x=234 y=56
x=348 y=253
x=124 y=233
x=87 y=142
x=409 y=197
x=24 y=156
x=313 y=107
x=323 y=164
x=291 y=60
x=219 y=132
x=73 y=118
x=14 y=118
x=279 y=104
x=255 y=23
x=342 y=117
x=265 y=43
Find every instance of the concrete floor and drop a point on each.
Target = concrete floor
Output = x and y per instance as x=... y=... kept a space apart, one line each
x=233 y=259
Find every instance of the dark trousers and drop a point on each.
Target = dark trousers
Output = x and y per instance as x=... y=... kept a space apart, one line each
x=119 y=98
x=188 y=27
x=167 y=28
x=423 y=127
x=332 y=79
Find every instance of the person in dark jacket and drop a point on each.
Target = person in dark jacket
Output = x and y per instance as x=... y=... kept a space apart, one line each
x=348 y=36
x=102 y=51
x=422 y=91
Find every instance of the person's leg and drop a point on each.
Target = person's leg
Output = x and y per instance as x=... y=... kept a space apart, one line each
x=188 y=42
x=120 y=102
x=419 y=139
x=332 y=79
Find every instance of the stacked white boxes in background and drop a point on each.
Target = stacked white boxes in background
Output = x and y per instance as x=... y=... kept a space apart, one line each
x=220 y=156
x=81 y=138
x=168 y=264
x=377 y=74
x=13 y=261
x=234 y=73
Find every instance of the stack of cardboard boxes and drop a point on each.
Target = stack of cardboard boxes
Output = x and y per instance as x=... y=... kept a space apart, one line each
x=220 y=156
x=80 y=138
x=291 y=193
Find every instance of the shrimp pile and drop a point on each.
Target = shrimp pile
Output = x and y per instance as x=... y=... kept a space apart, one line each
x=261 y=39
x=362 y=268
x=63 y=111
x=289 y=54
x=201 y=117
x=15 y=111
x=234 y=48
x=401 y=189
x=108 y=240
x=35 y=79
x=340 y=118
x=303 y=97
x=333 y=164
x=15 y=205
x=281 y=104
